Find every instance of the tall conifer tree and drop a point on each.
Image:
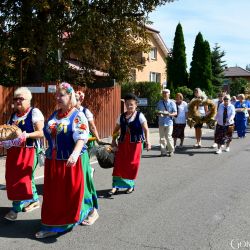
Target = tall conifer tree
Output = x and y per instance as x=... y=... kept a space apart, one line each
x=179 y=62
x=201 y=69
x=218 y=66
x=206 y=82
x=196 y=65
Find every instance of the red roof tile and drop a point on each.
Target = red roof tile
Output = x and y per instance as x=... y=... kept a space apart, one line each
x=236 y=71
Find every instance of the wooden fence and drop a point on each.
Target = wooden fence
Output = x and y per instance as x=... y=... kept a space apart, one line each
x=104 y=103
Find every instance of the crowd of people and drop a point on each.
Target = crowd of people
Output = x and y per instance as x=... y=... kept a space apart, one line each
x=69 y=195
x=230 y=114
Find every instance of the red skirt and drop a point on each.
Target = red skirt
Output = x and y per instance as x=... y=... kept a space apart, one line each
x=18 y=175
x=127 y=159
x=62 y=193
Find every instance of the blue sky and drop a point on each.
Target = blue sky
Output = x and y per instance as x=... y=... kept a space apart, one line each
x=223 y=22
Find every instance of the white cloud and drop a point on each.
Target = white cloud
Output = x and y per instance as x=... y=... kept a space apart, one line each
x=222 y=22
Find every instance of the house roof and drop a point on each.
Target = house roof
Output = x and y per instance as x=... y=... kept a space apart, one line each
x=236 y=71
x=159 y=40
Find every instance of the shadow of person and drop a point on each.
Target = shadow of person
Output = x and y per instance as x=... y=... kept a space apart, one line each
x=25 y=229
x=39 y=188
x=103 y=194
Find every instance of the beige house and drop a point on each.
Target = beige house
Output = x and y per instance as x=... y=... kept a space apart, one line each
x=232 y=73
x=152 y=65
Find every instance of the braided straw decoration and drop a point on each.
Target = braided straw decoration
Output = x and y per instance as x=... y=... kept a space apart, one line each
x=9 y=132
x=194 y=113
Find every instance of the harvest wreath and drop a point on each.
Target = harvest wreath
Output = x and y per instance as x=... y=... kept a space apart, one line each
x=194 y=115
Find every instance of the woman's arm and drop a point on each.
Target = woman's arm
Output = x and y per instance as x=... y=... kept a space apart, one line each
x=115 y=134
x=146 y=132
x=38 y=133
x=93 y=129
x=75 y=154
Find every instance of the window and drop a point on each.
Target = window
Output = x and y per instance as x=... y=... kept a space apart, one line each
x=155 y=77
x=153 y=54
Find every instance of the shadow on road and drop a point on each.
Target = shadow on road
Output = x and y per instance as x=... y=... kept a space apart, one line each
x=22 y=228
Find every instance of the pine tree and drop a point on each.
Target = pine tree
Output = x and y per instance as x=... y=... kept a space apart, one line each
x=196 y=64
x=218 y=66
x=201 y=67
x=179 y=64
x=206 y=82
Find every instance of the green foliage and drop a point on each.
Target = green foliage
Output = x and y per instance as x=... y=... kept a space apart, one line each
x=177 y=65
x=150 y=90
x=196 y=64
x=102 y=35
x=218 y=66
x=201 y=68
x=238 y=86
x=185 y=91
x=206 y=79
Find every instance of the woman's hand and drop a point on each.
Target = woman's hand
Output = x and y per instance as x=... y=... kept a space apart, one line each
x=148 y=145
x=73 y=159
x=114 y=144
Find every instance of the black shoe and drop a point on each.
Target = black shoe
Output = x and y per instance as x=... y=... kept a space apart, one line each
x=110 y=193
x=130 y=190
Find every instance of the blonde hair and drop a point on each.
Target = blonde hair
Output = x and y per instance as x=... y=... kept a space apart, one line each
x=68 y=89
x=23 y=91
x=179 y=95
x=242 y=96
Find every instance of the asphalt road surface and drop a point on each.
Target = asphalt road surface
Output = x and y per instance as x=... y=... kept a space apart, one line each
x=193 y=200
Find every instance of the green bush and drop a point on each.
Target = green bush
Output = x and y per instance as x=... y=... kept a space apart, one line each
x=186 y=92
x=149 y=90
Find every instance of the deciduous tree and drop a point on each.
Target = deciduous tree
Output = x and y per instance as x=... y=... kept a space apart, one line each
x=101 y=34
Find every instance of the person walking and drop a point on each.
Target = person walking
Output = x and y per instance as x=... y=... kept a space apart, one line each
x=69 y=195
x=180 y=119
x=93 y=132
x=203 y=111
x=133 y=129
x=242 y=108
x=225 y=124
x=89 y=115
x=217 y=103
x=21 y=161
x=166 y=110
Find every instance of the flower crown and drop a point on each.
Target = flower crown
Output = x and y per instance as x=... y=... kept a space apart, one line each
x=67 y=87
x=80 y=95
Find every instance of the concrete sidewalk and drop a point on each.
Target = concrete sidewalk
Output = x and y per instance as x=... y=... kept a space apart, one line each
x=154 y=137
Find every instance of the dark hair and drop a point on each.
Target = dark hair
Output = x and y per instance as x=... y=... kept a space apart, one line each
x=130 y=96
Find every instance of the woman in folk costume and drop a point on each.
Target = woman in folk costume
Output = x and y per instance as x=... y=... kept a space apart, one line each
x=22 y=160
x=225 y=124
x=242 y=107
x=69 y=195
x=133 y=131
x=90 y=117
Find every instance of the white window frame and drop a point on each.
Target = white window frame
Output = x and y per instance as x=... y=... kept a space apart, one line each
x=155 y=77
x=153 y=53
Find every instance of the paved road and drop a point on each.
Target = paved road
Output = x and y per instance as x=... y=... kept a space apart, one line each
x=194 y=200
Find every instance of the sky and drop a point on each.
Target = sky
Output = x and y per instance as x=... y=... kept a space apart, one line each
x=223 y=22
